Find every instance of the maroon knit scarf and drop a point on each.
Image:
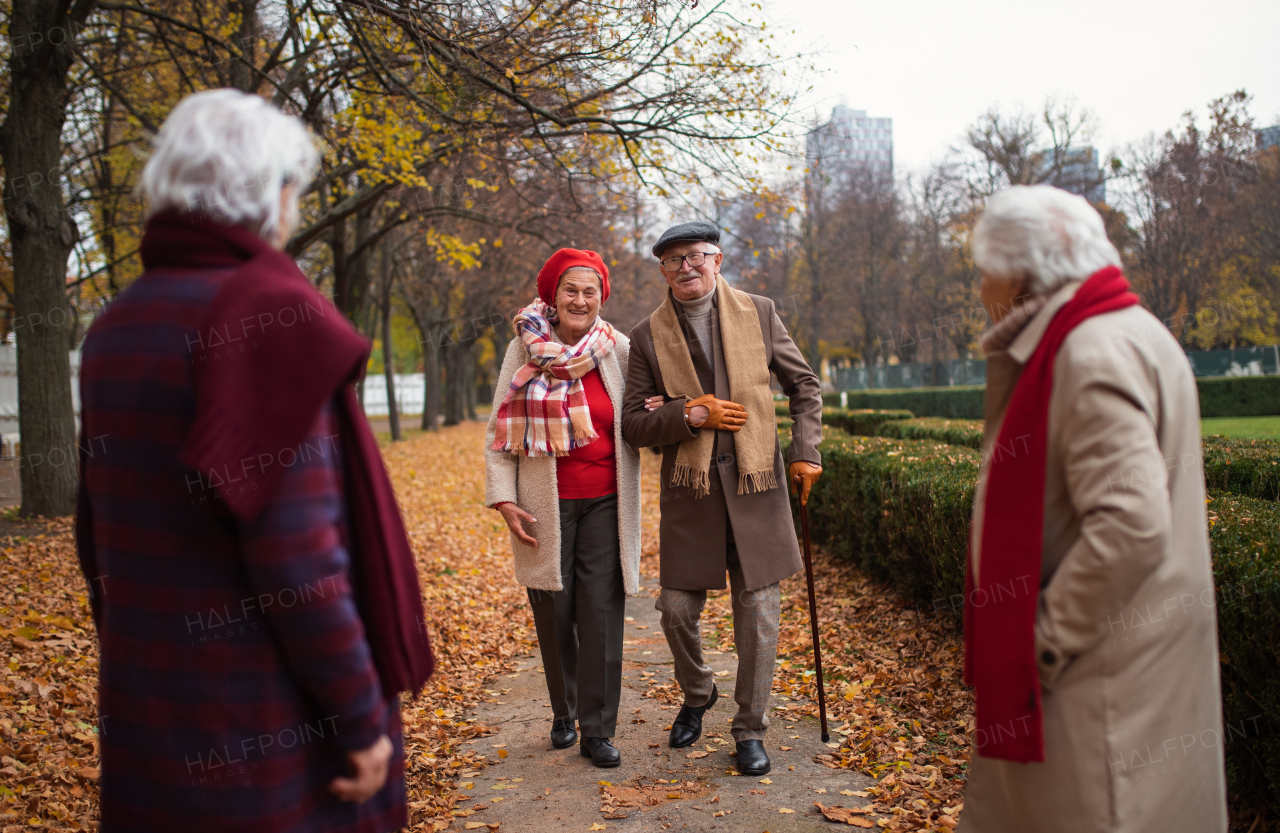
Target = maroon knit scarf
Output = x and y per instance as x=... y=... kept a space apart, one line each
x=1000 y=608
x=269 y=353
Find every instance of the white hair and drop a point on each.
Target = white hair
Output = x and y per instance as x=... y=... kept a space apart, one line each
x=1042 y=233
x=229 y=155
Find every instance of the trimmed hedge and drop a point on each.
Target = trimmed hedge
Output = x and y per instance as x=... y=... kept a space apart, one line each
x=965 y=432
x=1244 y=467
x=1244 y=536
x=901 y=508
x=1236 y=396
x=1250 y=468
x=959 y=402
x=861 y=422
x=1239 y=396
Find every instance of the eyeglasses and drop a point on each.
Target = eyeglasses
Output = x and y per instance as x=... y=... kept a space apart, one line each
x=695 y=259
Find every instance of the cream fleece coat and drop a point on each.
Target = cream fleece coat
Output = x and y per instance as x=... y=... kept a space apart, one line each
x=530 y=482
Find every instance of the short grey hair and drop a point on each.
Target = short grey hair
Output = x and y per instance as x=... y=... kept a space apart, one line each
x=1042 y=233
x=229 y=155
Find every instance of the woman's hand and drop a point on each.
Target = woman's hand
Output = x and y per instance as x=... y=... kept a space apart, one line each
x=653 y=403
x=516 y=519
x=369 y=768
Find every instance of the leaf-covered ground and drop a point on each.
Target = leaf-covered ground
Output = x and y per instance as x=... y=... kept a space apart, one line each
x=895 y=704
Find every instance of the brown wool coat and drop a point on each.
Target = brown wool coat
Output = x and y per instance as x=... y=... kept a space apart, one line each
x=1126 y=631
x=695 y=532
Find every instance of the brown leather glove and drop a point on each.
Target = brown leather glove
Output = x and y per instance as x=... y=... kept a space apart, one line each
x=722 y=415
x=802 y=476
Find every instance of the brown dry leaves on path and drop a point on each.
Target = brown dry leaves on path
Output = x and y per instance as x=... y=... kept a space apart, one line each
x=48 y=698
x=893 y=687
x=896 y=707
x=478 y=616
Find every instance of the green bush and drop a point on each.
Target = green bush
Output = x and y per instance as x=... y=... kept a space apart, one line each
x=965 y=432
x=1250 y=468
x=1239 y=396
x=1236 y=396
x=861 y=422
x=900 y=509
x=1244 y=536
x=959 y=402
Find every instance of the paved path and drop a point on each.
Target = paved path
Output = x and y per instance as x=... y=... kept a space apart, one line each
x=537 y=788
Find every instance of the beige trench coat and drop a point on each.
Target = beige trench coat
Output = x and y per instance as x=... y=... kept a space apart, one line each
x=530 y=482
x=1126 y=633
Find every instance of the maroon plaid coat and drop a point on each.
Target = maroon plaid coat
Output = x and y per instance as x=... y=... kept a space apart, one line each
x=235 y=671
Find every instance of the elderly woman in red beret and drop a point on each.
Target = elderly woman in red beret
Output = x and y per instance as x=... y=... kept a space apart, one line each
x=569 y=489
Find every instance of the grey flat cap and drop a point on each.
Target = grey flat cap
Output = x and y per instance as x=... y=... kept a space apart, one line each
x=685 y=232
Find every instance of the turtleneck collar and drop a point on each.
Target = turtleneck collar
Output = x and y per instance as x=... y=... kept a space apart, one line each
x=698 y=306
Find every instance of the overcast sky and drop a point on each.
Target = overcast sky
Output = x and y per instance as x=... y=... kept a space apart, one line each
x=934 y=66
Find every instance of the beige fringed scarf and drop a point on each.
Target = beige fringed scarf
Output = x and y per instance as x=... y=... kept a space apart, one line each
x=745 y=359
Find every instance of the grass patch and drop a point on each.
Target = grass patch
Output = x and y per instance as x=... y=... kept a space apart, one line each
x=1245 y=428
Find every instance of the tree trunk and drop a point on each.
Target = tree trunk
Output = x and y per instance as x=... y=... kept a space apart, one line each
x=429 y=338
x=243 y=74
x=360 y=297
x=41 y=235
x=470 y=383
x=341 y=269
x=388 y=354
x=372 y=317
x=430 y=383
x=455 y=384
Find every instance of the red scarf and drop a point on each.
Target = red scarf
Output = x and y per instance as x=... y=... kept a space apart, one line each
x=270 y=352
x=1000 y=609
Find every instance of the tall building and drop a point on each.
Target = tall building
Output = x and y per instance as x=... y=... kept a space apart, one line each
x=1082 y=174
x=853 y=135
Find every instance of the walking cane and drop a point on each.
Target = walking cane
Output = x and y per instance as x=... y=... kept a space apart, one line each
x=813 y=620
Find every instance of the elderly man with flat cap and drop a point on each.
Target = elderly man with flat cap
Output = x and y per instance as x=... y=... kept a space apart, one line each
x=698 y=389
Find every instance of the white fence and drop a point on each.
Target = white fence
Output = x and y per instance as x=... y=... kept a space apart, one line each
x=9 y=392
x=410 y=394
x=410 y=391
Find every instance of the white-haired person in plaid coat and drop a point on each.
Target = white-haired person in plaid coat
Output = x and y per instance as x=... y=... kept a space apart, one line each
x=569 y=489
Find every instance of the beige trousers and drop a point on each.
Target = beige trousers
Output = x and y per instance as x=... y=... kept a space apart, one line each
x=755 y=636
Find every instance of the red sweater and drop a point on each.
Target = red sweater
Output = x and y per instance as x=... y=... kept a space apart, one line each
x=591 y=470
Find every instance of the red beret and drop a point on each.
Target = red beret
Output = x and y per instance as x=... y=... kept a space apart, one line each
x=564 y=260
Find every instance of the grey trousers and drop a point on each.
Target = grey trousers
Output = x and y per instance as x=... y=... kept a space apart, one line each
x=755 y=635
x=580 y=627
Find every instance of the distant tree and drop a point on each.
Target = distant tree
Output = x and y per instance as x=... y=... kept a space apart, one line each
x=1018 y=147
x=1186 y=200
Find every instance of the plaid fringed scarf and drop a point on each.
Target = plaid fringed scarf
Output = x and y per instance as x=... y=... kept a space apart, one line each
x=545 y=410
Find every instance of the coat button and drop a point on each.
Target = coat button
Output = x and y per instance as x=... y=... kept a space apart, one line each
x=1048 y=658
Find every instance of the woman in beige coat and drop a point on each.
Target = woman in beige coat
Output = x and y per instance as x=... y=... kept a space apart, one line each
x=1098 y=700
x=568 y=487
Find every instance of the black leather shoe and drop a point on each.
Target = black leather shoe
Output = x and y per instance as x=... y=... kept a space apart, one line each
x=601 y=752
x=563 y=735
x=687 y=727
x=752 y=759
